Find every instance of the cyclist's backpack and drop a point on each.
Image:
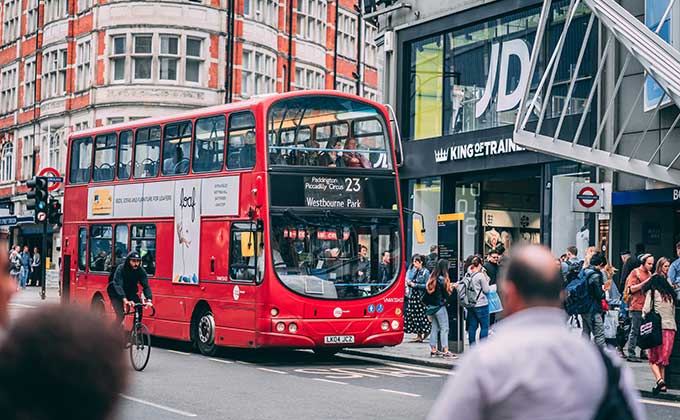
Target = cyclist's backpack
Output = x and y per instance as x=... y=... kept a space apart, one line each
x=467 y=298
x=578 y=299
x=573 y=270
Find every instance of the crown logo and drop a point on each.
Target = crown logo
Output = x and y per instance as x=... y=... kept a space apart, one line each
x=441 y=155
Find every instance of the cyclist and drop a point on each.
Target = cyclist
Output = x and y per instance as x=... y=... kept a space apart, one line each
x=123 y=288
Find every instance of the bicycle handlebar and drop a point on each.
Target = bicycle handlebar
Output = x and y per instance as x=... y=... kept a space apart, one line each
x=137 y=305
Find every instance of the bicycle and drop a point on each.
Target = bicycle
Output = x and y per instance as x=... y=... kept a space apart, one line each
x=140 y=339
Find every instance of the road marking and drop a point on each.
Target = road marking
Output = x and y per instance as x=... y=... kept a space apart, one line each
x=244 y=363
x=183 y=353
x=424 y=369
x=329 y=381
x=161 y=407
x=273 y=371
x=408 y=394
x=664 y=403
x=226 y=362
x=21 y=305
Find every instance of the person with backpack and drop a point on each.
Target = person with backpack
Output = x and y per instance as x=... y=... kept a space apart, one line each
x=591 y=276
x=660 y=297
x=438 y=289
x=472 y=291
x=534 y=367
x=635 y=298
x=572 y=266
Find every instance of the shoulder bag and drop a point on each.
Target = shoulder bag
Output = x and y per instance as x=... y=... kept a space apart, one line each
x=650 y=329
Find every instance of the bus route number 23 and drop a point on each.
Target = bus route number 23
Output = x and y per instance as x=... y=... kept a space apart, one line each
x=352 y=184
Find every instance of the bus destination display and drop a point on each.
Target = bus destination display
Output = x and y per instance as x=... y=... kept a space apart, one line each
x=335 y=192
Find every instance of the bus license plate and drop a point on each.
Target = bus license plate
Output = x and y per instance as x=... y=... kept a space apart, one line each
x=338 y=339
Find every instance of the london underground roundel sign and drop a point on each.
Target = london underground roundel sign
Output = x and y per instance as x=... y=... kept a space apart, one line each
x=587 y=197
x=51 y=172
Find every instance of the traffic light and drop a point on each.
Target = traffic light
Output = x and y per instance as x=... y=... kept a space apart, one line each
x=54 y=212
x=39 y=196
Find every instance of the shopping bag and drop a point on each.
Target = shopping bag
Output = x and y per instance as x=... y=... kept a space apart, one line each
x=611 y=323
x=495 y=304
x=650 y=329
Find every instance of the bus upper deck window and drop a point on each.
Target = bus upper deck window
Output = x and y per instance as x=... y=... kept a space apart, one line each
x=147 y=152
x=241 y=145
x=104 y=157
x=81 y=160
x=177 y=148
x=124 y=154
x=209 y=144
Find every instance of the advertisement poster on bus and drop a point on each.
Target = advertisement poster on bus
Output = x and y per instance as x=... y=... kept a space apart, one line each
x=187 y=231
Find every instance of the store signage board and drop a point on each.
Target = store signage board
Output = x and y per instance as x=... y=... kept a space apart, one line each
x=456 y=152
x=588 y=197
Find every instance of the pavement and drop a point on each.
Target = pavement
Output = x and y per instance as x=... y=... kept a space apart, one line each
x=419 y=354
x=287 y=384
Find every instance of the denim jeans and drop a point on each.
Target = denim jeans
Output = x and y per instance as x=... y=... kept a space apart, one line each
x=635 y=321
x=593 y=323
x=24 y=276
x=478 y=317
x=440 y=325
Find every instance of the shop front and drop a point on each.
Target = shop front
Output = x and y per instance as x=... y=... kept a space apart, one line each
x=461 y=79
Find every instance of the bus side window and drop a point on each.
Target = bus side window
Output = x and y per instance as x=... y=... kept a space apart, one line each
x=100 y=248
x=209 y=144
x=124 y=154
x=147 y=152
x=143 y=240
x=81 y=160
x=120 y=244
x=104 y=157
x=246 y=262
x=177 y=148
x=241 y=141
x=82 y=248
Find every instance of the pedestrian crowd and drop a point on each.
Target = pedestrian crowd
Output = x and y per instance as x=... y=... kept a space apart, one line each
x=25 y=268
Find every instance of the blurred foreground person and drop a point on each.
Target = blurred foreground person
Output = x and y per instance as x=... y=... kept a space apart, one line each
x=533 y=367
x=72 y=355
x=7 y=289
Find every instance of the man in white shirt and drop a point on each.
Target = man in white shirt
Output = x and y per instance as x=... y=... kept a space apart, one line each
x=533 y=367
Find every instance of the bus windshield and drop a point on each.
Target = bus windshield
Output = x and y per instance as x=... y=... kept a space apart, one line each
x=327 y=131
x=334 y=256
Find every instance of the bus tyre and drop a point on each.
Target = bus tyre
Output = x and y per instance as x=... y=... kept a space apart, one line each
x=326 y=352
x=205 y=333
x=97 y=306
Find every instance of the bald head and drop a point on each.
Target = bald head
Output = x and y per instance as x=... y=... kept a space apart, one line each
x=532 y=278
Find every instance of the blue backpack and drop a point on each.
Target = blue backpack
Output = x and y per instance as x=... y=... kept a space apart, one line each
x=578 y=300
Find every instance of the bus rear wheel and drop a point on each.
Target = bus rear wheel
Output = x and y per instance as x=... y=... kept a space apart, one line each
x=204 y=333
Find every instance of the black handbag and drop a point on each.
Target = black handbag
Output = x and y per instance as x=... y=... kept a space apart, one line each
x=650 y=329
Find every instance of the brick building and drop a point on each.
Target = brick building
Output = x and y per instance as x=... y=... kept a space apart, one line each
x=66 y=65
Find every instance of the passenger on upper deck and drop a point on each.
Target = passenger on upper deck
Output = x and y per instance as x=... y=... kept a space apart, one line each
x=332 y=159
x=247 y=153
x=354 y=159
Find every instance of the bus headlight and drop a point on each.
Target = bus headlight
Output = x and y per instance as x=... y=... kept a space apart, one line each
x=292 y=328
x=274 y=312
x=385 y=325
x=395 y=324
x=280 y=327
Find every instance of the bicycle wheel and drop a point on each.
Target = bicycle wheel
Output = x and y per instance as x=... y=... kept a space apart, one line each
x=140 y=346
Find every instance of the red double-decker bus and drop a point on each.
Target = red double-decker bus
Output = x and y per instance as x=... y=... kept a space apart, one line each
x=273 y=222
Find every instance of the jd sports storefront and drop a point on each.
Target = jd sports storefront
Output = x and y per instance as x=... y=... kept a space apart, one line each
x=461 y=78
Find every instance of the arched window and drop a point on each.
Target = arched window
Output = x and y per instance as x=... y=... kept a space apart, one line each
x=55 y=150
x=7 y=163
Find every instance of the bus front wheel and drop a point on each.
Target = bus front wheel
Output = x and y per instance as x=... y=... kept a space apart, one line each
x=204 y=334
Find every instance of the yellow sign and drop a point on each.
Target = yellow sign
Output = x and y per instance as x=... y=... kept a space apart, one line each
x=102 y=202
x=450 y=217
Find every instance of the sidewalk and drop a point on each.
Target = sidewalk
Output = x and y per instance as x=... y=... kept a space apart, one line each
x=419 y=353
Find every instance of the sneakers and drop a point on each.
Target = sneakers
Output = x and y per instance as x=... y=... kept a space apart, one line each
x=449 y=355
x=633 y=359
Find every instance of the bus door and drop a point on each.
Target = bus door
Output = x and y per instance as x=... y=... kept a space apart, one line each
x=78 y=269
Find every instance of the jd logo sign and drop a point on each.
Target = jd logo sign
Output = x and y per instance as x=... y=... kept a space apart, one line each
x=506 y=101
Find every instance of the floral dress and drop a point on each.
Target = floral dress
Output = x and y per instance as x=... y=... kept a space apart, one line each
x=415 y=320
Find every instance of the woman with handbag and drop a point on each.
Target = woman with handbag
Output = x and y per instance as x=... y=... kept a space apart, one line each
x=415 y=320
x=437 y=291
x=660 y=298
